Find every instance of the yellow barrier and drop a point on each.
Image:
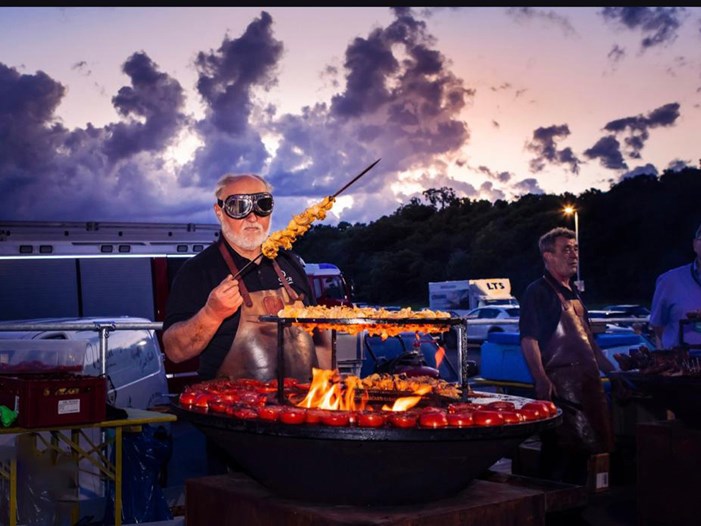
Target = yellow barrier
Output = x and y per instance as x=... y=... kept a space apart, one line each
x=95 y=451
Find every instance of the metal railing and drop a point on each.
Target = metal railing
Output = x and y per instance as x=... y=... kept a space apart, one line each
x=514 y=321
x=103 y=328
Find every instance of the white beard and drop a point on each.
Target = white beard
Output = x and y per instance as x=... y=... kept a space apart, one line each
x=248 y=240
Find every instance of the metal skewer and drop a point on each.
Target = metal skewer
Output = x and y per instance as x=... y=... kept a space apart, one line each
x=356 y=178
x=248 y=265
x=345 y=187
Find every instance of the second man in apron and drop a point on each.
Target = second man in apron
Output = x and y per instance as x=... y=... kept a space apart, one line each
x=564 y=360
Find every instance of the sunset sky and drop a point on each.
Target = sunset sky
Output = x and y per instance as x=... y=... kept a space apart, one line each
x=132 y=114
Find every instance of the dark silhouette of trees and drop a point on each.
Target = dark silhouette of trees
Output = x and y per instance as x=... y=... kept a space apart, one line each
x=629 y=234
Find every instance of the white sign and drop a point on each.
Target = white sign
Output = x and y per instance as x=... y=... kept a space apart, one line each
x=68 y=406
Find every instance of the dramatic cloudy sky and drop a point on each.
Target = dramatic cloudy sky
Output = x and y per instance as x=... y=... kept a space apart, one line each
x=132 y=114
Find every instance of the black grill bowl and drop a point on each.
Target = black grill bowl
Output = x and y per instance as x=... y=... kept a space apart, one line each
x=361 y=466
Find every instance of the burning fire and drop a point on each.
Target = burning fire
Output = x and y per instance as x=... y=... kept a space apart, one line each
x=328 y=390
x=440 y=354
x=407 y=402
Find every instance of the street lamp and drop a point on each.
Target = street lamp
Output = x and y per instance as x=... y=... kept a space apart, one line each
x=569 y=210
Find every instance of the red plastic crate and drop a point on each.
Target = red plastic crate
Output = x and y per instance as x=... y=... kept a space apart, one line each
x=54 y=400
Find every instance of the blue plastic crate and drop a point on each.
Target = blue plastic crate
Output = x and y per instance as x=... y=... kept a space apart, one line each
x=502 y=359
x=606 y=341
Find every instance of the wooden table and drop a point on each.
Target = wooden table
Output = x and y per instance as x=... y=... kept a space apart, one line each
x=69 y=438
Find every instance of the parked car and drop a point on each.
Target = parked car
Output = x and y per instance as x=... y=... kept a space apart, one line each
x=630 y=310
x=598 y=319
x=135 y=365
x=633 y=311
x=482 y=321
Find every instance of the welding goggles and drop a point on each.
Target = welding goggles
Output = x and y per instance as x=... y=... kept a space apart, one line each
x=238 y=206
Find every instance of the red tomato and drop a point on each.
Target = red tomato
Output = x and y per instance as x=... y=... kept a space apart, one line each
x=270 y=412
x=293 y=415
x=242 y=412
x=457 y=407
x=461 y=419
x=551 y=407
x=247 y=383
x=335 y=418
x=511 y=417
x=501 y=404
x=313 y=416
x=542 y=406
x=531 y=413
x=202 y=400
x=403 y=419
x=433 y=418
x=352 y=418
x=187 y=397
x=371 y=419
x=252 y=399
x=218 y=405
x=230 y=395
x=215 y=386
x=487 y=417
x=548 y=407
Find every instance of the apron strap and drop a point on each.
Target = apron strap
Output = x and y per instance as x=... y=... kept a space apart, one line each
x=232 y=268
x=290 y=291
x=576 y=305
x=557 y=292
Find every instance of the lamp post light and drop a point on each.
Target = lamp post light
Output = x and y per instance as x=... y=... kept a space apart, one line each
x=569 y=210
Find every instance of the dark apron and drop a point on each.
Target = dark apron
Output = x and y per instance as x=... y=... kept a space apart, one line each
x=570 y=365
x=253 y=353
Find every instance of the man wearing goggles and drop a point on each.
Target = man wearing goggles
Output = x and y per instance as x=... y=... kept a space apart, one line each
x=238 y=206
x=216 y=318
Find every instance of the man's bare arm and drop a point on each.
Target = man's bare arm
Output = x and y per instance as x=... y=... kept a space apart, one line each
x=604 y=363
x=544 y=389
x=188 y=338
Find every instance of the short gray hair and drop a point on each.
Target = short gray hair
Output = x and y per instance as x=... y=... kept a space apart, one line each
x=546 y=243
x=232 y=178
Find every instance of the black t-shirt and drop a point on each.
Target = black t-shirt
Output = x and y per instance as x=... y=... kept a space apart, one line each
x=541 y=309
x=200 y=274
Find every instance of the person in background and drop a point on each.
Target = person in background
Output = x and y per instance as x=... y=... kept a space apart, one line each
x=565 y=362
x=677 y=294
x=215 y=317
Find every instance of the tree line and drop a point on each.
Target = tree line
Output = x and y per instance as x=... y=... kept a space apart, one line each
x=628 y=235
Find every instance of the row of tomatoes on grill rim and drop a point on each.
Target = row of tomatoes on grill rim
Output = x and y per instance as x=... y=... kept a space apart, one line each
x=253 y=399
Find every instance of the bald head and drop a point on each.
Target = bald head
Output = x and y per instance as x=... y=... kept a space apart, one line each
x=233 y=179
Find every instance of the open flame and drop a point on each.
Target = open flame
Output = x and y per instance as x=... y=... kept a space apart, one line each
x=407 y=402
x=440 y=354
x=328 y=390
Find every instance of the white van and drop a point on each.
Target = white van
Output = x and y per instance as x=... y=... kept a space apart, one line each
x=134 y=363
